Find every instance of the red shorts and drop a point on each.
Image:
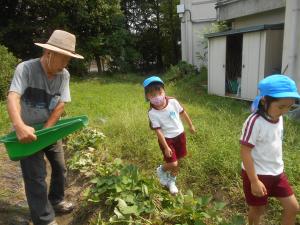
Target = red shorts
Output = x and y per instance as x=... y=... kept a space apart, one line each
x=178 y=146
x=277 y=186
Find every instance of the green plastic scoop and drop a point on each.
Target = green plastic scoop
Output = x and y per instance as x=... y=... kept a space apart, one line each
x=45 y=137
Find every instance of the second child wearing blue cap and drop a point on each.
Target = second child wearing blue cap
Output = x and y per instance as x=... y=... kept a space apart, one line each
x=165 y=118
x=261 y=150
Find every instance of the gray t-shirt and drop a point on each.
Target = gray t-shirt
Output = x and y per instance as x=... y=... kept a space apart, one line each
x=37 y=91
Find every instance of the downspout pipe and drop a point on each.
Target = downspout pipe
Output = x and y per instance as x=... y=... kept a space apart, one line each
x=293 y=66
x=293 y=56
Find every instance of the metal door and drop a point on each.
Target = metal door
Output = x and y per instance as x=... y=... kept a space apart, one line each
x=253 y=59
x=216 y=65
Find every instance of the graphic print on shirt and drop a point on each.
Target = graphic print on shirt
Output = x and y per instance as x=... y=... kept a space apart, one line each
x=172 y=115
x=36 y=98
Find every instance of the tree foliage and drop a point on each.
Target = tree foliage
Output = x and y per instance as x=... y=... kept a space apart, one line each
x=126 y=34
x=156 y=27
x=96 y=24
x=7 y=64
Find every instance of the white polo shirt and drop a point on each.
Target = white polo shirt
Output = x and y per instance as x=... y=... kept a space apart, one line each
x=167 y=119
x=265 y=138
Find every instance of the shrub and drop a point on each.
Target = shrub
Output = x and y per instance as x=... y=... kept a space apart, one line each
x=182 y=69
x=203 y=74
x=78 y=67
x=7 y=64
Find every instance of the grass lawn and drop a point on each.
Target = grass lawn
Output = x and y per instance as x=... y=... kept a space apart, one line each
x=116 y=105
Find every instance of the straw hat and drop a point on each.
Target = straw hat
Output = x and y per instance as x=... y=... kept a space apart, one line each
x=61 y=42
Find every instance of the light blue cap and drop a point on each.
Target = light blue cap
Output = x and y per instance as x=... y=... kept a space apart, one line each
x=276 y=86
x=152 y=79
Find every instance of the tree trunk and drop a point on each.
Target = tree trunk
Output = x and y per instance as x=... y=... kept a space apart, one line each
x=175 y=49
x=159 y=63
x=99 y=67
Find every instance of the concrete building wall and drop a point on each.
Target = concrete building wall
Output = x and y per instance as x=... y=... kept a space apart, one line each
x=203 y=10
x=291 y=43
x=230 y=9
x=271 y=17
x=198 y=15
x=199 y=48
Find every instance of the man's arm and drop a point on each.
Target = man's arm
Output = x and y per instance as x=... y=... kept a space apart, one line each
x=55 y=115
x=25 y=134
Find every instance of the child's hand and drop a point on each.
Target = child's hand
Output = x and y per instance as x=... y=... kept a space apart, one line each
x=258 y=189
x=168 y=152
x=192 y=129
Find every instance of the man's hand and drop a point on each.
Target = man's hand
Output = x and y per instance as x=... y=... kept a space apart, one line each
x=168 y=152
x=25 y=134
x=258 y=189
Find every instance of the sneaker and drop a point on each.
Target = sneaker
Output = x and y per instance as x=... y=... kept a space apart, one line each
x=162 y=175
x=53 y=223
x=63 y=207
x=172 y=186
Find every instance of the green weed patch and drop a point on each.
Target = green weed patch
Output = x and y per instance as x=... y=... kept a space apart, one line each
x=130 y=197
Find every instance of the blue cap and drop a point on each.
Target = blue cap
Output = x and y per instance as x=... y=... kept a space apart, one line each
x=276 y=86
x=152 y=79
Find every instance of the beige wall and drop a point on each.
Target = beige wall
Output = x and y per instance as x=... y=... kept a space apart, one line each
x=193 y=26
x=270 y=17
x=199 y=44
x=203 y=10
x=228 y=10
x=291 y=43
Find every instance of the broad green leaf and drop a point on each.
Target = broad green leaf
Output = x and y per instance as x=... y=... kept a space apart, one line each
x=118 y=213
x=219 y=205
x=145 y=190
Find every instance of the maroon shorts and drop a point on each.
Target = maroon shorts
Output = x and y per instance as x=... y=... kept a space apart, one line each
x=277 y=186
x=178 y=146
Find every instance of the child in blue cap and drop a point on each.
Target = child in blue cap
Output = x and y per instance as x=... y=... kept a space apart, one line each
x=164 y=116
x=261 y=150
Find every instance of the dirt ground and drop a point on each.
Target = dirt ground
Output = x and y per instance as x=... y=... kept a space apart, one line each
x=13 y=205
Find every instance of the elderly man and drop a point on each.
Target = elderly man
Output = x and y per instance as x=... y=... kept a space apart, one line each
x=38 y=93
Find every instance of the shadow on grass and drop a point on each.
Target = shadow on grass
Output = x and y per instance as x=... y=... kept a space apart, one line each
x=131 y=78
x=13 y=214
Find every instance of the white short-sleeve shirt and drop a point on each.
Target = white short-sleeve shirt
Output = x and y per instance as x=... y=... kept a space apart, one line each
x=265 y=139
x=167 y=119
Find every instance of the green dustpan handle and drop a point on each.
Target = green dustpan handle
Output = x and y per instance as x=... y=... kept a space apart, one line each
x=53 y=129
x=39 y=132
x=49 y=129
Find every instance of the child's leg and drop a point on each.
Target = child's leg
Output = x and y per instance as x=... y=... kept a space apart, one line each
x=255 y=213
x=171 y=167
x=290 y=209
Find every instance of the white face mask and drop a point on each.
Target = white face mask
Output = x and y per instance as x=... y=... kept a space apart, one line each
x=158 y=100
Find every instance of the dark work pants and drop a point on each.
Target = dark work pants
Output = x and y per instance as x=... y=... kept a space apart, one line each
x=34 y=175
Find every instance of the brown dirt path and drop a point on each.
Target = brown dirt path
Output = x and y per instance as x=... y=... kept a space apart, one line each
x=13 y=205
